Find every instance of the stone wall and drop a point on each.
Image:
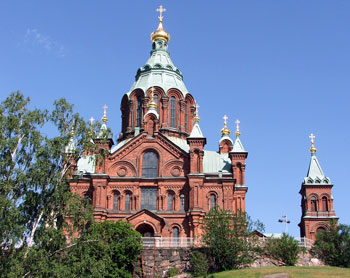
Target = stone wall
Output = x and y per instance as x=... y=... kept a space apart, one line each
x=154 y=263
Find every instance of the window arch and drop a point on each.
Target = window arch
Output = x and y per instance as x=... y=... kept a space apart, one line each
x=139 y=111
x=182 y=201
x=170 y=201
x=127 y=201
x=212 y=203
x=325 y=203
x=115 y=201
x=313 y=204
x=320 y=230
x=150 y=165
x=172 y=111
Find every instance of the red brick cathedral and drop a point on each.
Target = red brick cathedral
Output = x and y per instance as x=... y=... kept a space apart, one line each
x=316 y=199
x=159 y=177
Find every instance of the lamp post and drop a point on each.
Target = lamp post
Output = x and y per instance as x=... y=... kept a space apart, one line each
x=285 y=220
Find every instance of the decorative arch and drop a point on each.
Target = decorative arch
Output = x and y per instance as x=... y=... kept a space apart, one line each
x=123 y=168
x=175 y=92
x=172 y=168
x=141 y=222
x=319 y=225
x=125 y=111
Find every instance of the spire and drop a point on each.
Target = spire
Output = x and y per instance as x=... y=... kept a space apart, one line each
x=160 y=33
x=104 y=120
x=315 y=171
x=71 y=144
x=238 y=146
x=196 y=130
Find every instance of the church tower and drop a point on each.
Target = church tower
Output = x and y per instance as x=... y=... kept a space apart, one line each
x=316 y=198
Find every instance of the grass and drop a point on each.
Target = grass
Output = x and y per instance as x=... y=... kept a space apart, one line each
x=293 y=272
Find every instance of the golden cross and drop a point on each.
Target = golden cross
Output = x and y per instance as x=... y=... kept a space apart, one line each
x=160 y=10
x=237 y=124
x=225 y=119
x=312 y=138
x=105 y=110
x=91 y=121
x=197 y=106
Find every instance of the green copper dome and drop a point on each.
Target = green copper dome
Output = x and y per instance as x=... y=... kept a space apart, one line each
x=159 y=71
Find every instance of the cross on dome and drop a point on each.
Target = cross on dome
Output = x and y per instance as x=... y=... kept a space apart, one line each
x=225 y=130
x=196 y=117
x=91 y=121
x=312 y=139
x=225 y=119
x=237 y=128
x=104 y=118
x=161 y=10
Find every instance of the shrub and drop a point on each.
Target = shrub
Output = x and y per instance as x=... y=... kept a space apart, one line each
x=333 y=246
x=199 y=264
x=284 y=249
x=172 y=272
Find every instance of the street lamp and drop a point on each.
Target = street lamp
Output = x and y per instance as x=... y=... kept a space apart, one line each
x=285 y=220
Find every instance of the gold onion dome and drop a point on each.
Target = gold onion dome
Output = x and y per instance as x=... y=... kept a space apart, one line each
x=160 y=33
x=225 y=130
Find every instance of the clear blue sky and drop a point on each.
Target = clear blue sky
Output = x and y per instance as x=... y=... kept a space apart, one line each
x=281 y=67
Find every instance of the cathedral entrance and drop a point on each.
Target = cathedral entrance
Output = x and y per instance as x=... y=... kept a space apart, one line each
x=145 y=230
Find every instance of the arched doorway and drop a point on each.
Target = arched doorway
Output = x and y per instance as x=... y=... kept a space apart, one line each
x=145 y=230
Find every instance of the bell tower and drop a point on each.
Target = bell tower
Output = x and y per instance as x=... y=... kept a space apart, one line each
x=316 y=198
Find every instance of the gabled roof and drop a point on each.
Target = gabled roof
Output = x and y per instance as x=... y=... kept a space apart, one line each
x=148 y=212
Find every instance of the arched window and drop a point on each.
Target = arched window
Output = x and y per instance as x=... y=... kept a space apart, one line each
x=320 y=230
x=325 y=203
x=170 y=201
x=127 y=202
x=115 y=201
x=150 y=165
x=155 y=98
x=212 y=201
x=172 y=112
x=186 y=116
x=313 y=204
x=139 y=111
x=182 y=202
x=176 y=236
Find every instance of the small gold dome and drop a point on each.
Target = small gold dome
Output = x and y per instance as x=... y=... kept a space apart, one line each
x=225 y=130
x=160 y=33
x=313 y=149
x=196 y=118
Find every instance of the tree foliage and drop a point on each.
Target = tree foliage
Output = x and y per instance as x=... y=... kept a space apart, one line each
x=333 y=245
x=284 y=249
x=36 y=201
x=229 y=239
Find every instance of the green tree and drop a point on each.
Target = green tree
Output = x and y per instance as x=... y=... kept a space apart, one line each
x=333 y=245
x=285 y=249
x=36 y=201
x=229 y=239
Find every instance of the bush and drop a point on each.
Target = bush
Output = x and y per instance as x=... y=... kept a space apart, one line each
x=284 y=249
x=172 y=272
x=229 y=239
x=199 y=264
x=333 y=246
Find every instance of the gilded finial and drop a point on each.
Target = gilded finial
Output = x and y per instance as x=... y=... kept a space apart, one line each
x=237 y=133
x=160 y=33
x=196 y=117
x=312 y=139
x=225 y=130
x=91 y=132
x=152 y=103
x=104 y=118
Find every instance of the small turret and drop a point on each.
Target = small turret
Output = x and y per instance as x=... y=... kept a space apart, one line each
x=225 y=143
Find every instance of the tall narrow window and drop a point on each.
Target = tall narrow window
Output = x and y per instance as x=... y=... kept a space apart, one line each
x=139 y=111
x=150 y=165
x=127 y=202
x=325 y=203
x=313 y=204
x=155 y=98
x=182 y=202
x=212 y=201
x=172 y=112
x=186 y=116
x=170 y=201
x=176 y=236
x=115 y=201
x=149 y=198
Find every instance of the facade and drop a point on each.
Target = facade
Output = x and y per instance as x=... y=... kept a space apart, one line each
x=316 y=199
x=158 y=176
